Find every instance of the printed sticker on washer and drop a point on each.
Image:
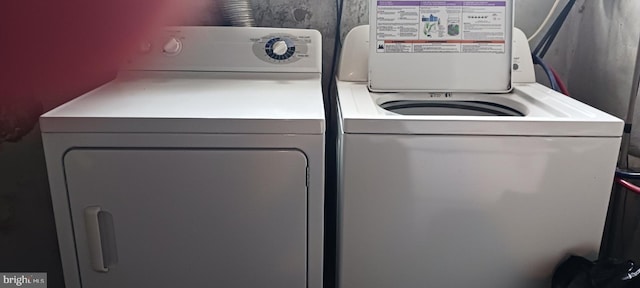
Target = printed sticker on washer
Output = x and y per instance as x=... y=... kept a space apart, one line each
x=441 y=26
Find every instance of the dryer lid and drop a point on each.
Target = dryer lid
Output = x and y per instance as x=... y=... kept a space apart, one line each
x=197 y=102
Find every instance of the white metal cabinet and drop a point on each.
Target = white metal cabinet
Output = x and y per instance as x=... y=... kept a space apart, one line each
x=235 y=218
x=453 y=211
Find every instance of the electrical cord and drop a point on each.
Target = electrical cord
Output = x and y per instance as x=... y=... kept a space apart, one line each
x=339 y=11
x=338 y=42
x=331 y=178
x=546 y=20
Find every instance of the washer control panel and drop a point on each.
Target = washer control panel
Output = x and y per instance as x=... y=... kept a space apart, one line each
x=282 y=48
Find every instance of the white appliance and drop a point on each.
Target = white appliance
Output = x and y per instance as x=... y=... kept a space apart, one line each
x=466 y=189
x=441 y=46
x=202 y=168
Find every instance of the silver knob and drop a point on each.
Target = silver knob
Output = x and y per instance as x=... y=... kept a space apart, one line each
x=172 y=47
x=280 y=48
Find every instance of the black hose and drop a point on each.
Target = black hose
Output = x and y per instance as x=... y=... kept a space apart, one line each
x=627 y=175
x=543 y=47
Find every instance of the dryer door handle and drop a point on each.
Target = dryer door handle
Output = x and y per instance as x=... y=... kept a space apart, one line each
x=100 y=238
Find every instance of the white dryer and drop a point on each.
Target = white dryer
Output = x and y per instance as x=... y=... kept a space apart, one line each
x=467 y=190
x=203 y=166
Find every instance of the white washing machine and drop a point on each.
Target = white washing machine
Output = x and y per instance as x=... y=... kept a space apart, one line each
x=455 y=190
x=203 y=167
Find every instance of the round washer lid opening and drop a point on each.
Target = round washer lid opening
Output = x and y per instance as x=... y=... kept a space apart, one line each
x=450 y=108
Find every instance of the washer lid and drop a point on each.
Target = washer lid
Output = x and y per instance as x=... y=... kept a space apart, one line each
x=531 y=110
x=189 y=102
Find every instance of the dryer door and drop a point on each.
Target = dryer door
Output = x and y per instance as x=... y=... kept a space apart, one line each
x=189 y=218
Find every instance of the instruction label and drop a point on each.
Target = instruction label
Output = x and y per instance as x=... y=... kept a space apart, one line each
x=441 y=26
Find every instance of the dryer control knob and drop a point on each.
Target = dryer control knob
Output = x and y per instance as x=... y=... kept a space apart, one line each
x=280 y=48
x=172 y=47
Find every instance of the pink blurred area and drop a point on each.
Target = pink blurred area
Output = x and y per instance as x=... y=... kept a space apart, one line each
x=54 y=50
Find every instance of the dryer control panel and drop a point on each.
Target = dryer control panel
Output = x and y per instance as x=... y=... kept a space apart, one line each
x=282 y=48
x=231 y=49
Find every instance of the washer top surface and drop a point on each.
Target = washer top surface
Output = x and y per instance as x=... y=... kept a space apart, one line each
x=530 y=110
x=219 y=80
